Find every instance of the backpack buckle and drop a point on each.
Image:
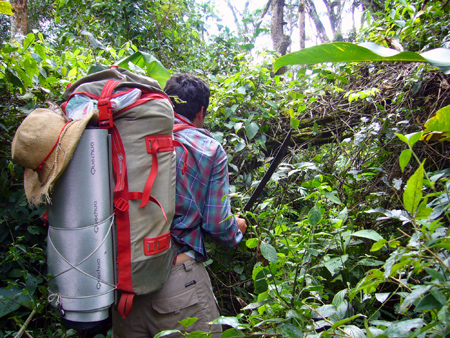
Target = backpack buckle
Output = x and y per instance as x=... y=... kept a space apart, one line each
x=121 y=204
x=104 y=114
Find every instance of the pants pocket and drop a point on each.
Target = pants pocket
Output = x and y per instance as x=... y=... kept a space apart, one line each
x=176 y=303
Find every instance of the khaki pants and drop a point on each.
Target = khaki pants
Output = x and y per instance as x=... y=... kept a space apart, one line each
x=187 y=293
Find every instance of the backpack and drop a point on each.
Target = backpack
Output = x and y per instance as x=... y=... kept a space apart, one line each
x=144 y=166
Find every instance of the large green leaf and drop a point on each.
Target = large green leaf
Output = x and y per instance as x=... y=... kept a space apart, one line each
x=166 y=333
x=413 y=192
x=230 y=321
x=251 y=129
x=439 y=123
x=369 y=234
x=314 y=216
x=367 y=51
x=12 y=78
x=289 y=331
x=354 y=331
x=268 y=252
x=233 y=333
x=404 y=328
x=418 y=291
x=428 y=303
x=152 y=66
x=332 y=197
x=11 y=299
x=188 y=321
x=334 y=264
x=260 y=282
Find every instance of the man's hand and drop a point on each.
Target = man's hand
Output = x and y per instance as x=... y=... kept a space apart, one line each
x=242 y=224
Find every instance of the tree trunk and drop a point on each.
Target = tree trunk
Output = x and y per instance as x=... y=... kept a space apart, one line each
x=334 y=10
x=302 y=23
x=321 y=32
x=19 y=21
x=280 y=41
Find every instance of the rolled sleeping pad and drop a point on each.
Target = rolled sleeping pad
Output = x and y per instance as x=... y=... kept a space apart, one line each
x=79 y=242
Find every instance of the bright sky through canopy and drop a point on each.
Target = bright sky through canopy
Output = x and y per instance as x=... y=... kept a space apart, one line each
x=263 y=42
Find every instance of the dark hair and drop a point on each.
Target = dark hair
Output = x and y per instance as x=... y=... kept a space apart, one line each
x=188 y=94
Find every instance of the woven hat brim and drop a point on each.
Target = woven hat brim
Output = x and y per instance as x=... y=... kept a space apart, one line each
x=38 y=189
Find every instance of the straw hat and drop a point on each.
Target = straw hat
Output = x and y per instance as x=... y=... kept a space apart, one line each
x=44 y=144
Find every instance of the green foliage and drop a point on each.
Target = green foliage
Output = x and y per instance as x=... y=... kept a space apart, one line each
x=350 y=237
x=333 y=247
x=416 y=25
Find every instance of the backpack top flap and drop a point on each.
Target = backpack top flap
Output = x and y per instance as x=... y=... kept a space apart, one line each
x=88 y=83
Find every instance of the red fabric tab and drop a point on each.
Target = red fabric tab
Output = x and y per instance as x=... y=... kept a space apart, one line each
x=155 y=144
x=155 y=245
x=125 y=304
x=158 y=143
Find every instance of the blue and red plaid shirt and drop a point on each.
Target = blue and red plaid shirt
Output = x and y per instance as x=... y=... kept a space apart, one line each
x=200 y=207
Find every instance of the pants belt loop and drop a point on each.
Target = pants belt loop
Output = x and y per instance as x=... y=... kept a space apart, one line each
x=188 y=265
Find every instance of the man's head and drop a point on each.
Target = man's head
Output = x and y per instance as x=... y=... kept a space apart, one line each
x=189 y=95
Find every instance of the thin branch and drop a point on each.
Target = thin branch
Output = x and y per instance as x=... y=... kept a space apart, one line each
x=266 y=8
x=24 y=326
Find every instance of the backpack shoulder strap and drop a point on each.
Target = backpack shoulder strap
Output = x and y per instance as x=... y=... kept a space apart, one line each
x=181 y=126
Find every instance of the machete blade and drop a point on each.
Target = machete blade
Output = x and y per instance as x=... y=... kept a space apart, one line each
x=268 y=173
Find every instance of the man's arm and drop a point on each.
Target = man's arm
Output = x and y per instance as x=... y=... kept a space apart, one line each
x=217 y=223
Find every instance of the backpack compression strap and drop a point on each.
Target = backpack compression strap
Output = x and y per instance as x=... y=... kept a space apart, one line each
x=161 y=143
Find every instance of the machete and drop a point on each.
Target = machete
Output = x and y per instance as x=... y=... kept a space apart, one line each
x=269 y=173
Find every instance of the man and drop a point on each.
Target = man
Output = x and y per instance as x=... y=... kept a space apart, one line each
x=200 y=211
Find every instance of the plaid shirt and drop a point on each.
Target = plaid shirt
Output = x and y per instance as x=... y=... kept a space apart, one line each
x=200 y=206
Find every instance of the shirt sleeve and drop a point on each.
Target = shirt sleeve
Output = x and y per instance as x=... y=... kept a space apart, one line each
x=217 y=222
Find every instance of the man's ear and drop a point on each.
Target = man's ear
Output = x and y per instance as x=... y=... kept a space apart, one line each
x=199 y=119
x=200 y=115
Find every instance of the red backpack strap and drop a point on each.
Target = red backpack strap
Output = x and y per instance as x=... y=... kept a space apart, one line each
x=136 y=195
x=181 y=126
x=105 y=115
x=182 y=119
x=121 y=211
x=125 y=304
x=119 y=159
